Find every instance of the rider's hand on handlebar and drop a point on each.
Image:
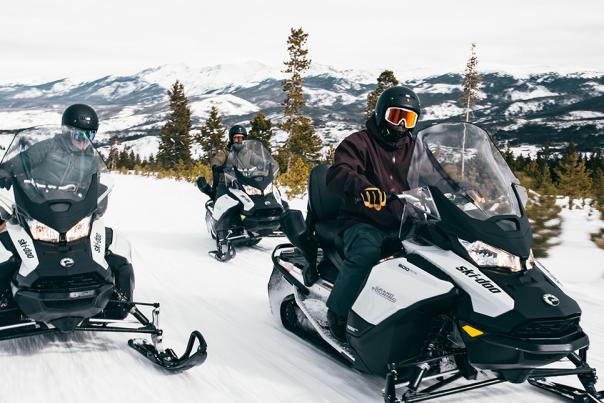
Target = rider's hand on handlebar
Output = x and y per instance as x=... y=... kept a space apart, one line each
x=374 y=198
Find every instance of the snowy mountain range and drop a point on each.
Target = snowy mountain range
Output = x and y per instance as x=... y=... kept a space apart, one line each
x=526 y=110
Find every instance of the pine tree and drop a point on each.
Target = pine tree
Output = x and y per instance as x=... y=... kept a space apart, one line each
x=574 y=180
x=296 y=178
x=131 y=159
x=471 y=81
x=175 y=142
x=212 y=136
x=385 y=80
x=302 y=139
x=112 y=160
x=330 y=155
x=123 y=161
x=542 y=210
x=544 y=216
x=510 y=159
x=598 y=190
x=262 y=129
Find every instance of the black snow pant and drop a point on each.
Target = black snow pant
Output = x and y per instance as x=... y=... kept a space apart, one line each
x=362 y=250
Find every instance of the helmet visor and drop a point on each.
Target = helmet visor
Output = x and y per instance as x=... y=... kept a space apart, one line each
x=396 y=116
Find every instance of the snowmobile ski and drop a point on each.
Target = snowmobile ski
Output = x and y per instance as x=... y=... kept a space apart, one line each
x=569 y=392
x=167 y=359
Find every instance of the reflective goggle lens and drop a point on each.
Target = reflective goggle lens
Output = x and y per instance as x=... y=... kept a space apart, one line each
x=396 y=116
x=81 y=135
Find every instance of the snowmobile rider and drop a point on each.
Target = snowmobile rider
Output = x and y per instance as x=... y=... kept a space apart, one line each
x=69 y=159
x=367 y=165
x=237 y=134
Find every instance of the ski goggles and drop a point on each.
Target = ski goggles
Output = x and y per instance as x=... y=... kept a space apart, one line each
x=396 y=116
x=79 y=134
x=238 y=138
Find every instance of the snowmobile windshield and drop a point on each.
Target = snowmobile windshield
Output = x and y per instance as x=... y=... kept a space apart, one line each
x=463 y=163
x=49 y=164
x=252 y=159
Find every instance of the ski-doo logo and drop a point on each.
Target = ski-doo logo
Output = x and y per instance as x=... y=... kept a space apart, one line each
x=67 y=262
x=26 y=249
x=97 y=242
x=551 y=300
x=383 y=293
x=486 y=283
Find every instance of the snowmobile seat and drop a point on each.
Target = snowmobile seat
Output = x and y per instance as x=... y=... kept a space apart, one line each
x=323 y=209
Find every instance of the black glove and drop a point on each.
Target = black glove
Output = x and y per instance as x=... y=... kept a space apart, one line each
x=373 y=198
x=6 y=180
x=202 y=183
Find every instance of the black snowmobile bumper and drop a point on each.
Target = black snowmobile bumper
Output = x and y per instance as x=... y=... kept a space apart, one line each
x=64 y=309
x=500 y=352
x=263 y=225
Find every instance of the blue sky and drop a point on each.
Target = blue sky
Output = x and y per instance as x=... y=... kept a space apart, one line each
x=51 y=39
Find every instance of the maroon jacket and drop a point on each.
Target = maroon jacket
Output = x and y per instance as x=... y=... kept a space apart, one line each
x=364 y=159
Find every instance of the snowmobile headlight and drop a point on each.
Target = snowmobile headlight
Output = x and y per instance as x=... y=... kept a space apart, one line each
x=488 y=256
x=42 y=232
x=79 y=231
x=268 y=189
x=252 y=191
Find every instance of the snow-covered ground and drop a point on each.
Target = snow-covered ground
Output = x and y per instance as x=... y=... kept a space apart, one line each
x=251 y=358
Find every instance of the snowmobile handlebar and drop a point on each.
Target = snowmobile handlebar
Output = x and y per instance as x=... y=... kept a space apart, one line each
x=390 y=197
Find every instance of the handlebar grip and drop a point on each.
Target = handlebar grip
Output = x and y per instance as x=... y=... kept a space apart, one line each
x=390 y=197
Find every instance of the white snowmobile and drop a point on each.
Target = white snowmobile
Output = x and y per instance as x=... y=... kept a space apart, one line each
x=461 y=293
x=250 y=206
x=58 y=278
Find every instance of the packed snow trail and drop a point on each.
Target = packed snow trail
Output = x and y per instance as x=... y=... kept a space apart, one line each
x=251 y=358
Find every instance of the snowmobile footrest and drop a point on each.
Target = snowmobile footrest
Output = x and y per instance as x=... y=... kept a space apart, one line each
x=167 y=359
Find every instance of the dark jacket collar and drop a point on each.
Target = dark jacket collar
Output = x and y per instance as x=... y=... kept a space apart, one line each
x=373 y=131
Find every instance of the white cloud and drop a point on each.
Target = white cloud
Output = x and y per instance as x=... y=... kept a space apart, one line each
x=87 y=38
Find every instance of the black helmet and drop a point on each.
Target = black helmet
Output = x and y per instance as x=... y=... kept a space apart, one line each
x=237 y=129
x=399 y=96
x=80 y=116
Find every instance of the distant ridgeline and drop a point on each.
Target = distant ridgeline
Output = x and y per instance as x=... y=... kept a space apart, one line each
x=540 y=108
